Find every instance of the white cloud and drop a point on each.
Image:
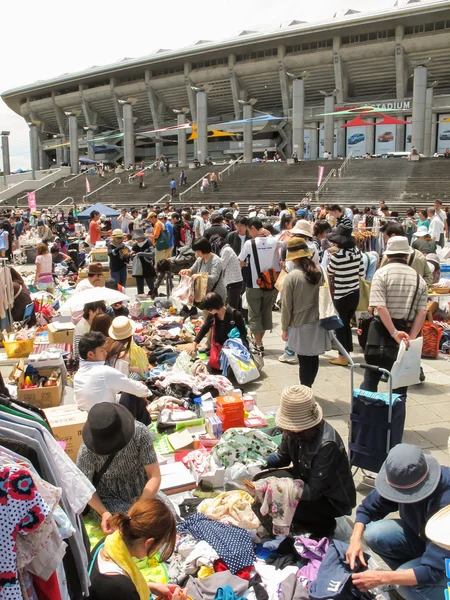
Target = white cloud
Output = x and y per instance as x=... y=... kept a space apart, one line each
x=69 y=38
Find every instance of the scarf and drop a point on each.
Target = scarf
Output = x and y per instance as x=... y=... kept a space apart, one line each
x=118 y=552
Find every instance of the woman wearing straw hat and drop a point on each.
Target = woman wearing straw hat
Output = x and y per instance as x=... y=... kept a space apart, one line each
x=318 y=457
x=300 y=311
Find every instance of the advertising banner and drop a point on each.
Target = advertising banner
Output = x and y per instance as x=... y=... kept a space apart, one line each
x=320 y=175
x=384 y=138
x=307 y=143
x=31 y=201
x=356 y=141
x=443 y=133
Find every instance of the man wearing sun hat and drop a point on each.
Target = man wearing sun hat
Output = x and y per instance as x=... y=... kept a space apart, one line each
x=417 y=487
x=318 y=458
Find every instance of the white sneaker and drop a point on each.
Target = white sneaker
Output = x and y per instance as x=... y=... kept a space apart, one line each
x=287 y=358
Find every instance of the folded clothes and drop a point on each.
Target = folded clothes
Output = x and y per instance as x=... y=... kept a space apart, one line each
x=232 y=508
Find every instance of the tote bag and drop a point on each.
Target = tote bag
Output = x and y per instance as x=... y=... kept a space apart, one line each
x=328 y=317
x=406 y=369
x=364 y=295
x=279 y=284
x=244 y=371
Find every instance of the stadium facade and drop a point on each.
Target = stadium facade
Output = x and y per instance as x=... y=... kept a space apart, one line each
x=390 y=59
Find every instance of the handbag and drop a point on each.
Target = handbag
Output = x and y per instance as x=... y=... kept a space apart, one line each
x=201 y=284
x=162 y=243
x=266 y=279
x=328 y=316
x=279 y=284
x=406 y=369
x=216 y=349
x=381 y=348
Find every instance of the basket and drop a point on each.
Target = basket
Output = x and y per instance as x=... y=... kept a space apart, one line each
x=441 y=290
x=19 y=349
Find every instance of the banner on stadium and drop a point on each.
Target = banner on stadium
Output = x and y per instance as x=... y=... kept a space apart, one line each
x=31 y=201
x=384 y=138
x=356 y=141
x=320 y=176
x=307 y=143
x=443 y=133
x=322 y=141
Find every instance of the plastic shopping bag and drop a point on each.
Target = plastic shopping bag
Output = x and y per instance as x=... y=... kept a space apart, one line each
x=244 y=370
x=183 y=293
x=406 y=369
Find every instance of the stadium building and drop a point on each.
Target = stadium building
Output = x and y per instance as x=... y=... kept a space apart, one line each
x=391 y=59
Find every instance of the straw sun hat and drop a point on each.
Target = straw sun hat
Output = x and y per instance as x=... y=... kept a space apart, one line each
x=438 y=528
x=298 y=410
x=297 y=248
x=121 y=328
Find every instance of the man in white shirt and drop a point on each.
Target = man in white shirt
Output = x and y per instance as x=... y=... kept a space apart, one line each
x=436 y=228
x=124 y=220
x=94 y=381
x=201 y=223
x=442 y=215
x=260 y=301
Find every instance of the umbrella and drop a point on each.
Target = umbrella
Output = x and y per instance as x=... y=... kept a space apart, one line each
x=79 y=299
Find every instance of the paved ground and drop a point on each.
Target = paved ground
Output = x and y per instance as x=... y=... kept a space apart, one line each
x=428 y=404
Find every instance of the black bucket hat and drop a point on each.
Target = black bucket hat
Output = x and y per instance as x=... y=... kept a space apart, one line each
x=342 y=236
x=108 y=429
x=407 y=475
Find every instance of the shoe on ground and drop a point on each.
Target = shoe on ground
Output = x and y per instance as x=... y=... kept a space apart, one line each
x=340 y=360
x=422 y=375
x=288 y=358
x=260 y=348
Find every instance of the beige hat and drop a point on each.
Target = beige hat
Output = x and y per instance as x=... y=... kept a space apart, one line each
x=438 y=528
x=117 y=233
x=297 y=248
x=298 y=410
x=398 y=244
x=121 y=328
x=302 y=227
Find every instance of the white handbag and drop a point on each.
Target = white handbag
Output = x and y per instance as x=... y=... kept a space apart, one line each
x=244 y=371
x=328 y=316
x=406 y=369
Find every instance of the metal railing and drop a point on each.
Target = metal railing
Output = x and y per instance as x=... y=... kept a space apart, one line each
x=149 y=167
x=181 y=196
x=169 y=196
x=62 y=201
x=52 y=183
x=232 y=167
x=83 y=199
x=345 y=165
x=66 y=181
x=323 y=186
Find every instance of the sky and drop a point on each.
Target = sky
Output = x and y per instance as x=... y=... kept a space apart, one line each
x=68 y=37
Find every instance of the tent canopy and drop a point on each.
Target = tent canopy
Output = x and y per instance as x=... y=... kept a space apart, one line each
x=102 y=209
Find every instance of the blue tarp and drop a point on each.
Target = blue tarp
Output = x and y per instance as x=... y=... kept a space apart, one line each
x=102 y=209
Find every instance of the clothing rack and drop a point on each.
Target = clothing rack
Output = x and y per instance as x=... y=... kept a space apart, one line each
x=4 y=264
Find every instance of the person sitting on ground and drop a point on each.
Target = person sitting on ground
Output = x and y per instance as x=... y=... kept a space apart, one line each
x=96 y=382
x=318 y=457
x=133 y=469
x=423 y=242
x=102 y=323
x=95 y=278
x=147 y=528
x=416 y=486
x=22 y=298
x=222 y=320
x=84 y=324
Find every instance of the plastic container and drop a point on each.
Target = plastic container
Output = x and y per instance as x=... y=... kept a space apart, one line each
x=19 y=349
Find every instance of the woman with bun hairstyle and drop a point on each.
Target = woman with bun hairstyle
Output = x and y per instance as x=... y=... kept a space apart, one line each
x=147 y=528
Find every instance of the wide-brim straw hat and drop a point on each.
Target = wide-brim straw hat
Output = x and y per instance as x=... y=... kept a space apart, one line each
x=122 y=328
x=298 y=409
x=438 y=528
x=117 y=233
x=302 y=228
x=297 y=248
x=422 y=231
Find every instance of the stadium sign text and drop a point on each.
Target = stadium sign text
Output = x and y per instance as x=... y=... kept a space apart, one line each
x=388 y=104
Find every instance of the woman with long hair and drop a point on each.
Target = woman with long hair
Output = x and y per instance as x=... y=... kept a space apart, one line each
x=102 y=323
x=300 y=311
x=147 y=528
x=22 y=298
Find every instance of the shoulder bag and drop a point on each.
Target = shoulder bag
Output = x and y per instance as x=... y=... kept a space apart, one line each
x=328 y=316
x=162 y=243
x=266 y=279
x=98 y=477
x=381 y=348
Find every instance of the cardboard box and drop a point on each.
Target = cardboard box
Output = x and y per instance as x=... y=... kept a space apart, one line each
x=45 y=397
x=56 y=335
x=176 y=478
x=67 y=423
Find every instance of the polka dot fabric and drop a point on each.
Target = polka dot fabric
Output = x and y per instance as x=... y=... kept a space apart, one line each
x=233 y=544
x=22 y=510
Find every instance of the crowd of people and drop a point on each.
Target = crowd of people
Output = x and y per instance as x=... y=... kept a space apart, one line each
x=276 y=258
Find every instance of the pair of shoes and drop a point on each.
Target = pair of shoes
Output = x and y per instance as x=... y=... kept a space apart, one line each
x=340 y=360
x=288 y=358
x=260 y=349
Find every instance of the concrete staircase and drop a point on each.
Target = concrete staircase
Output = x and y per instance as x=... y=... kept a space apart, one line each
x=399 y=182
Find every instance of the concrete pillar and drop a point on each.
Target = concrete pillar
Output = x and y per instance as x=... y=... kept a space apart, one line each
x=314 y=140
x=73 y=140
x=329 y=125
x=340 y=137
x=5 y=153
x=400 y=133
x=433 y=134
x=43 y=157
x=427 y=131
x=90 y=138
x=401 y=72
x=370 y=136
x=66 y=154
x=202 y=126
x=34 y=150
x=182 y=148
x=59 y=152
x=298 y=117
x=248 y=134
x=128 y=135
x=419 y=105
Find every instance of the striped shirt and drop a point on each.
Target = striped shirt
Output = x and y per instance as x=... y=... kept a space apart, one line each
x=346 y=267
x=394 y=286
x=345 y=221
